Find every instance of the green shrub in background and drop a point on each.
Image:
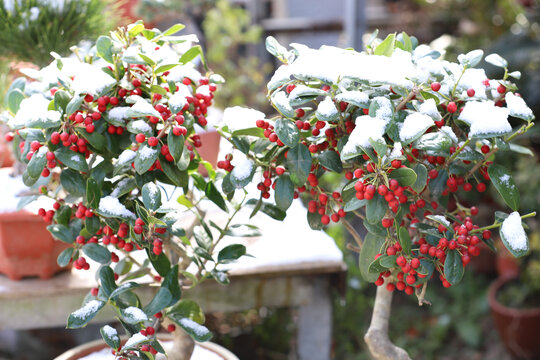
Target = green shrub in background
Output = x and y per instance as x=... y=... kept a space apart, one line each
x=31 y=29
x=228 y=32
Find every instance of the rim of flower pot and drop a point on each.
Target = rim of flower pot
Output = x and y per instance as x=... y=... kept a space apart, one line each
x=96 y=345
x=17 y=215
x=505 y=310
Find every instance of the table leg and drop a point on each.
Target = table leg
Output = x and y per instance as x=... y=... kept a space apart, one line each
x=315 y=324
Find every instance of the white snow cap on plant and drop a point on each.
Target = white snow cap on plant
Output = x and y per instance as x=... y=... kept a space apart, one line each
x=517 y=106
x=242 y=166
x=112 y=206
x=414 y=125
x=366 y=128
x=32 y=109
x=448 y=131
x=238 y=117
x=178 y=73
x=327 y=107
x=91 y=80
x=396 y=151
x=143 y=106
x=429 y=107
x=126 y=156
x=485 y=118
x=178 y=100
x=331 y=63
x=513 y=232
x=118 y=113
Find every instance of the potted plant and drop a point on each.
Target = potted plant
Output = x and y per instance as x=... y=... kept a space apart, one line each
x=113 y=132
x=408 y=134
x=514 y=303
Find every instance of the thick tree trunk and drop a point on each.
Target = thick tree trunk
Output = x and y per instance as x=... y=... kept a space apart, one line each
x=182 y=345
x=379 y=344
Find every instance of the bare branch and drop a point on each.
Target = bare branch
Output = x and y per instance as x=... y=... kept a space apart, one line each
x=379 y=344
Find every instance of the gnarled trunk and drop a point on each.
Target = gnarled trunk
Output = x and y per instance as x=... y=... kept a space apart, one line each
x=182 y=345
x=379 y=344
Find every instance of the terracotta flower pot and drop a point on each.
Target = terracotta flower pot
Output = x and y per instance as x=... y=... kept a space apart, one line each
x=518 y=328
x=6 y=158
x=209 y=150
x=26 y=246
x=97 y=345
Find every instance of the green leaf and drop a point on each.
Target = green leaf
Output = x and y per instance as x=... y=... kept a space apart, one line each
x=388 y=261
x=14 y=99
x=521 y=149
x=258 y=132
x=331 y=160
x=65 y=257
x=371 y=247
x=509 y=245
x=123 y=288
x=62 y=233
x=191 y=54
x=133 y=315
x=96 y=140
x=378 y=146
x=136 y=29
x=110 y=336
x=159 y=302
x=188 y=309
x=496 y=60
x=215 y=196
x=421 y=178
x=354 y=204
x=299 y=163
x=151 y=196
x=97 y=253
x=61 y=100
x=269 y=209
x=160 y=263
x=163 y=68
x=314 y=221
x=284 y=192
x=240 y=183
x=82 y=317
x=376 y=209
x=281 y=102
x=196 y=331
x=175 y=175
x=231 y=253
x=276 y=49
x=72 y=159
x=146 y=157
x=505 y=185
x=171 y=283
x=471 y=59
x=184 y=160
x=386 y=48
x=453 y=267
x=93 y=193
x=435 y=143
x=405 y=176
x=404 y=239
x=37 y=162
x=104 y=46
x=287 y=132
x=134 y=344
x=106 y=277
x=176 y=145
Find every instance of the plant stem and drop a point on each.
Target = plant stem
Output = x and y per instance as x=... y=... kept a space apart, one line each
x=415 y=91
x=480 y=163
x=460 y=149
x=354 y=233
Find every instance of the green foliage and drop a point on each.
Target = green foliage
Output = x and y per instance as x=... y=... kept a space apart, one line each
x=29 y=30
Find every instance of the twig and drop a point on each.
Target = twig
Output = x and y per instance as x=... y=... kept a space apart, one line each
x=353 y=233
x=480 y=163
x=420 y=294
x=415 y=91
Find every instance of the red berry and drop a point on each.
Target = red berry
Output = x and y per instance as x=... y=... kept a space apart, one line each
x=470 y=92
x=485 y=149
x=140 y=138
x=481 y=187
x=387 y=222
x=152 y=141
x=136 y=82
x=396 y=163
x=452 y=107
x=435 y=86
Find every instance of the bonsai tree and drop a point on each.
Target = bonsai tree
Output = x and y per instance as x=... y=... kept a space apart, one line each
x=409 y=135
x=114 y=134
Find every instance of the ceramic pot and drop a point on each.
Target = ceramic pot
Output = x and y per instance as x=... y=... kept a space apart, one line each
x=97 y=345
x=518 y=328
x=26 y=246
x=209 y=150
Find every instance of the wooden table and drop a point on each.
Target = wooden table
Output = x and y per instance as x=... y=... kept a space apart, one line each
x=302 y=278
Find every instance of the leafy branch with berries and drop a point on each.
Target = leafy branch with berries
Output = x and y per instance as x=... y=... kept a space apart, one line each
x=114 y=136
x=409 y=135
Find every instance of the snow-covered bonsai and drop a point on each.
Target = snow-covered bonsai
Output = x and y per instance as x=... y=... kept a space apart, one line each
x=410 y=135
x=114 y=132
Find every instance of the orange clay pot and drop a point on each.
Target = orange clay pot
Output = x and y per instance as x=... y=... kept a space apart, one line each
x=6 y=158
x=209 y=149
x=26 y=246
